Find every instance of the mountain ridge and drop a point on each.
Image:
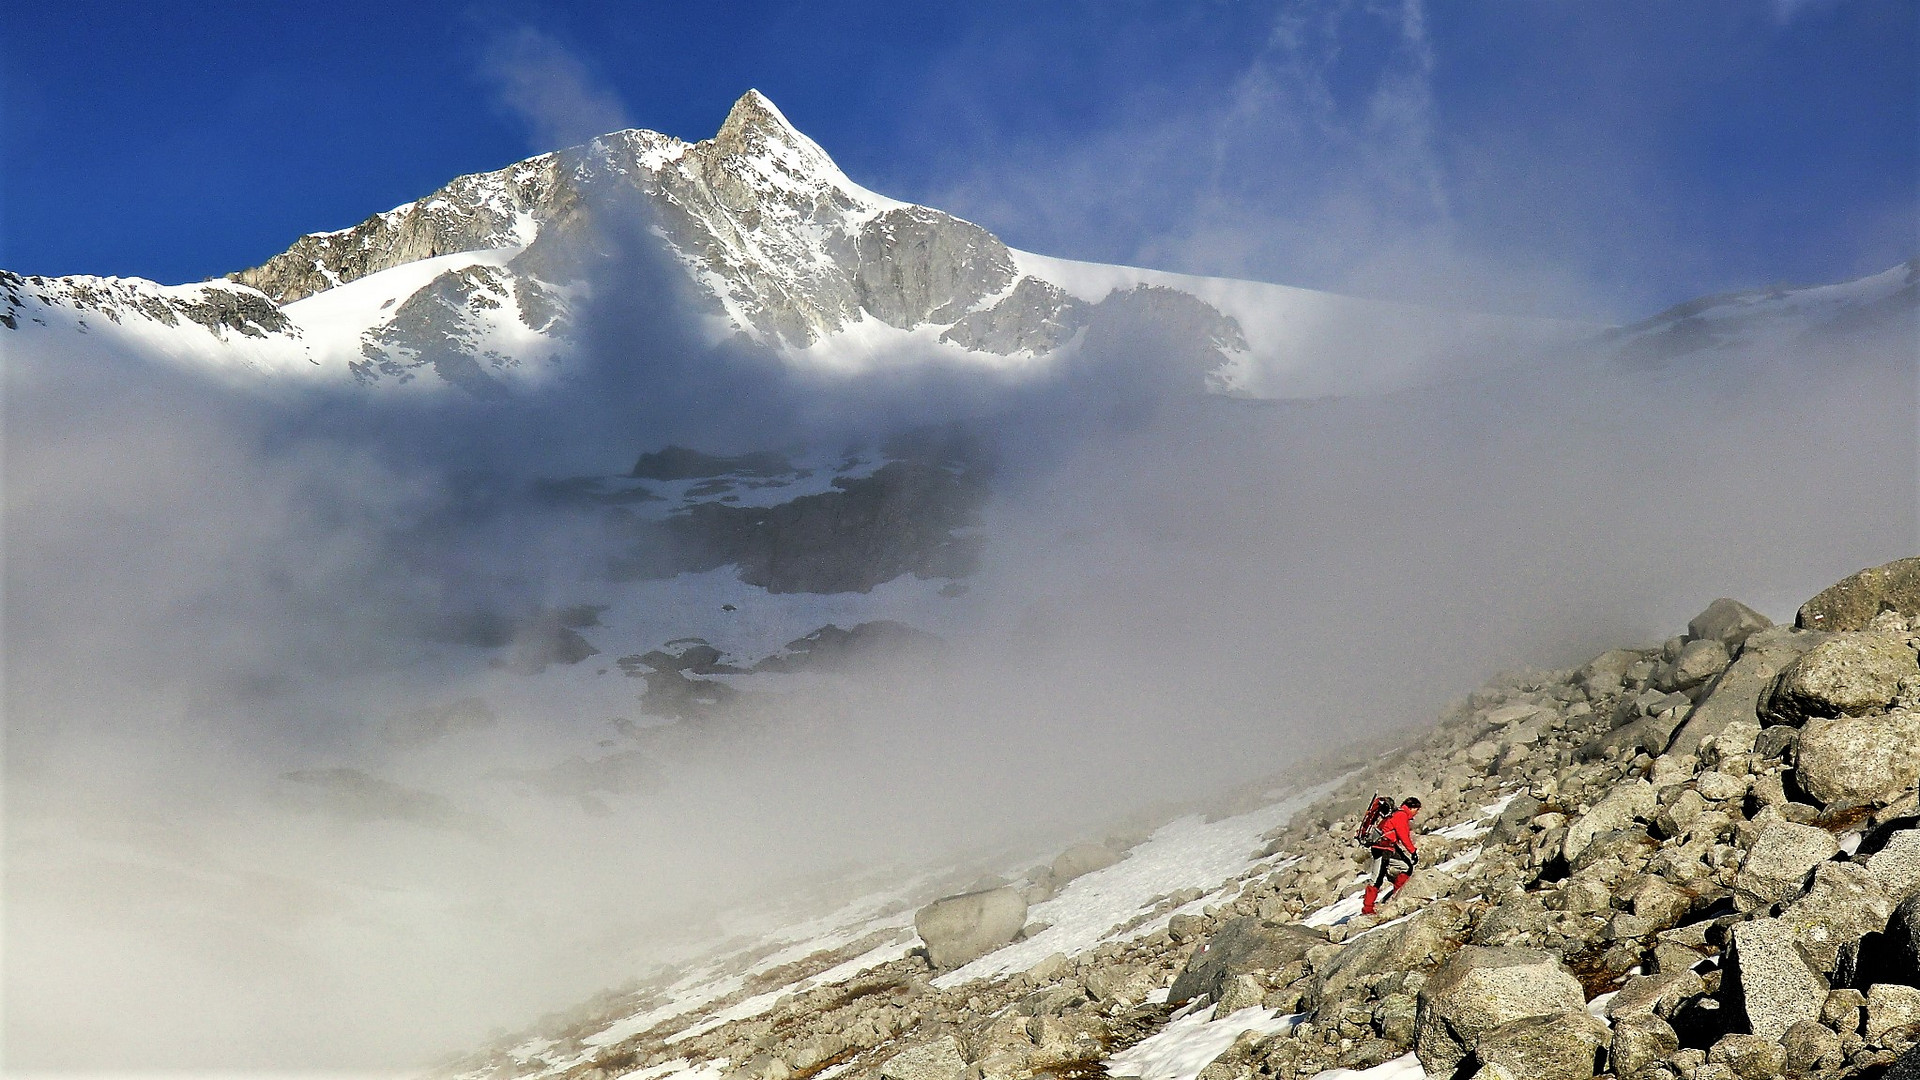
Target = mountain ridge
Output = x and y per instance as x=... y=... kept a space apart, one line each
x=781 y=252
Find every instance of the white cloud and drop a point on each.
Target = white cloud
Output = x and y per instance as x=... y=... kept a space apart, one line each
x=551 y=91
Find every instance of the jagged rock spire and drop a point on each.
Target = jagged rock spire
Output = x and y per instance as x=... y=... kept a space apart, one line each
x=755 y=126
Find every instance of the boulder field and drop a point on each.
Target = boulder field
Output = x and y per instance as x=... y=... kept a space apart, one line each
x=1699 y=861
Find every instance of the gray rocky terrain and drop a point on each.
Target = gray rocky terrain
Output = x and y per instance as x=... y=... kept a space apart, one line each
x=1699 y=861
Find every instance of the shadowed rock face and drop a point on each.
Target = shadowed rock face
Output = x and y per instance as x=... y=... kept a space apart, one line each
x=919 y=265
x=904 y=519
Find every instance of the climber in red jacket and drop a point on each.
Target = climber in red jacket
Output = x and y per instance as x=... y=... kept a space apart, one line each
x=1394 y=856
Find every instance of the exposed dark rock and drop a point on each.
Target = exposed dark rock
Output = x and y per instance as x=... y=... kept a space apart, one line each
x=831 y=648
x=906 y=518
x=680 y=463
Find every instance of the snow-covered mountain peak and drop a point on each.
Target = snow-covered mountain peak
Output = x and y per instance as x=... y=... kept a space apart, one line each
x=475 y=286
x=756 y=130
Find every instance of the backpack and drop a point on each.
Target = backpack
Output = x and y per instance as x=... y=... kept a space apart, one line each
x=1370 y=835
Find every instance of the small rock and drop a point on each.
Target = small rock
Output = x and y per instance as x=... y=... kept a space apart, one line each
x=1776 y=743
x=1841 y=1010
x=1841 y=904
x=1810 y=1047
x=765 y=1066
x=1893 y=1015
x=1896 y=866
x=1513 y=714
x=1640 y=1040
x=1660 y=903
x=1066 y=1039
x=1719 y=787
x=1750 y=1056
x=1698 y=661
x=1727 y=621
x=1394 y=1018
x=1656 y=995
x=940 y=1059
x=1240 y=992
x=1622 y=805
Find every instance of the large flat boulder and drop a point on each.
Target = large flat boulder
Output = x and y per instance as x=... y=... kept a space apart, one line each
x=1773 y=977
x=1851 y=603
x=1480 y=989
x=1240 y=946
x=940 y=1059
x=1778 y=862
x=1564 y=1047
x=1860 y=760
x=1424 y=940
x=957 y=929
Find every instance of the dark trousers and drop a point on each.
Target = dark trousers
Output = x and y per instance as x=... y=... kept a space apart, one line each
x=1389 y=864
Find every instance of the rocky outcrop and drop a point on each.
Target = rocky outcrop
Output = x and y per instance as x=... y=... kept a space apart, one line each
x=1735 y=695
x=1852 y=603
x=1703 y=913
x=222 y=310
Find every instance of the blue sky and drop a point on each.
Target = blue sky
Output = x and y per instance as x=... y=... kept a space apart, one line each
x=1601 y=158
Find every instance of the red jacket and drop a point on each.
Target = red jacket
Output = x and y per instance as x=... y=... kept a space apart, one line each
x=1397 y=827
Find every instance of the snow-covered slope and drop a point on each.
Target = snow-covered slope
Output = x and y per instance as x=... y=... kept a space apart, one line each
x=482 y=285
x=1779 y=316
